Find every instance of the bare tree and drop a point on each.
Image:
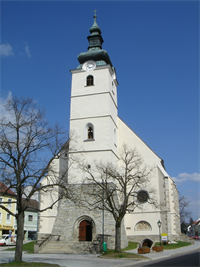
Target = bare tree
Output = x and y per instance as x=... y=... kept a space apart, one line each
x=29 y=148
x=183 y=208
x=119 y=188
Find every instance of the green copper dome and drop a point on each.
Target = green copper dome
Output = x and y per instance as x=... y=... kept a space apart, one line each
x=95 y=51
x=95 y=28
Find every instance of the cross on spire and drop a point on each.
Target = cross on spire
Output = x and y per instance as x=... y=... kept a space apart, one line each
x=95 y=13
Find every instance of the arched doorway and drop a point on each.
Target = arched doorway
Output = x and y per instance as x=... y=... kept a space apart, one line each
x=147 y=243
x=85 y=231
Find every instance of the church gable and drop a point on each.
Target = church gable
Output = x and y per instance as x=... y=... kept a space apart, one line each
x=127 y=136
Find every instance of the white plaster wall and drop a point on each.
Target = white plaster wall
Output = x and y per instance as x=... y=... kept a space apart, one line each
x=103 y=134
x=76 y=175
x=148 y=213
x=46 y=199
x=151 y=217
x=103 y=77
x=150 y=159
x=94 y=105
x=127 y=136
x=97 y=105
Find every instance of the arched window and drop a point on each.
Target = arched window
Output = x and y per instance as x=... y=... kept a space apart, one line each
x=89 y=132
x=89 y=80
x=143 y=226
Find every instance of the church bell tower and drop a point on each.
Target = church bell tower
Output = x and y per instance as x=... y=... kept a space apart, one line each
x=93 y=112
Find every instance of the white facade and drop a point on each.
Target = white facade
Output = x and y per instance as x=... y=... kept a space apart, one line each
x=94 y=106
x=99 y=134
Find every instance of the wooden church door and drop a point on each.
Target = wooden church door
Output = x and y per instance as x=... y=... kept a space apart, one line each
x=85 y=231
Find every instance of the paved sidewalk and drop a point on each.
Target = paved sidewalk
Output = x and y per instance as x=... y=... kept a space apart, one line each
x=91 y=260
x=169 y=252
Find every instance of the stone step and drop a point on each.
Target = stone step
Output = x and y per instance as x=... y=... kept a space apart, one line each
x=96 y=242
x=65 y=247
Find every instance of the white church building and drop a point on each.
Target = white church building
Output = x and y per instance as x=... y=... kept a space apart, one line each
x=99 y=135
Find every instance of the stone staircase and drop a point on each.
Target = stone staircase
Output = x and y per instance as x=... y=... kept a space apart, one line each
x=97 y=244
x=53 y=244
x=72 y=247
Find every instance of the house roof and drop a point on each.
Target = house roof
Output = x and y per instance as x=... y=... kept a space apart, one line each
x=4 y=188
x=32 y=204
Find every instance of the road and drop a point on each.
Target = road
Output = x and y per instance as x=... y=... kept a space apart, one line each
x=66 y=260
x=190 y=259
x=185 y=256
x=69 y=260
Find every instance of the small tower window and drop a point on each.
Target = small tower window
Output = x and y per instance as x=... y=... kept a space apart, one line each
x=90 y=80
x=90 y=133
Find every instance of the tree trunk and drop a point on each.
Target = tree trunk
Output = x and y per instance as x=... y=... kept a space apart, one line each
x=118 y=236
x=20 y=237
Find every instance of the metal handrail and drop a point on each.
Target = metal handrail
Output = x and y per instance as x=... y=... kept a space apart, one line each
x=48 y=238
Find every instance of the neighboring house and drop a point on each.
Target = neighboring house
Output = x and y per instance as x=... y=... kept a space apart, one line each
x=194 y=229
x=30 y=220
x=7 y=199
x=100 y=135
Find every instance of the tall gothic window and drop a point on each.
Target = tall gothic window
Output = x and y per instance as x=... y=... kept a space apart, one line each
x=90 y=80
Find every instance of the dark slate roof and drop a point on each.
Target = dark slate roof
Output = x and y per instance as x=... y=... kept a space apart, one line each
x=3 y=189
x=32 y=204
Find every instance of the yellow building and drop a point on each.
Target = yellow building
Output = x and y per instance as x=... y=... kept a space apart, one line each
x=8 y=199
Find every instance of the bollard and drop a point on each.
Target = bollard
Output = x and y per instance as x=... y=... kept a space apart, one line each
x=104 y=247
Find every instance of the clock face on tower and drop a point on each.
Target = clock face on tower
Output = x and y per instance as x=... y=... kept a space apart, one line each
x=89 y=65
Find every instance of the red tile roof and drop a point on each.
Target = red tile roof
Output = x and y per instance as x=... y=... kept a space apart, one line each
x=3 y=189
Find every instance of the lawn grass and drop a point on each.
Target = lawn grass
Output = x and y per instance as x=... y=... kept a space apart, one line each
x=111 y=253
x=179 y=244
x=29 y=247
x=131 y=245
x=28 y=264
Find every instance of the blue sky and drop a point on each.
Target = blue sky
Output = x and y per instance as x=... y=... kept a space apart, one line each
x=154 y=46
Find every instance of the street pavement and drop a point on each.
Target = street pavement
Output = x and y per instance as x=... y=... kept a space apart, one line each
x=90 y=260
x=169 y=252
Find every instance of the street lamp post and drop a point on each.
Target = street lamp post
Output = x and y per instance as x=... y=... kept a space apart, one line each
x=159 y=225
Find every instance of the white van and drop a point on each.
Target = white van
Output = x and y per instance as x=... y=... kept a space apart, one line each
x=6 y=240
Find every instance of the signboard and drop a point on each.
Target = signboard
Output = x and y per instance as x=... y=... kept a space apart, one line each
x=164 y=237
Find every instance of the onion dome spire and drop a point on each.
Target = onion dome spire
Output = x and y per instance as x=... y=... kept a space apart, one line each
x=94 y=30
x=95 y=51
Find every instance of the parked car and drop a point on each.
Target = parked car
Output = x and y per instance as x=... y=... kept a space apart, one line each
x=195 y=237
x=7 y=240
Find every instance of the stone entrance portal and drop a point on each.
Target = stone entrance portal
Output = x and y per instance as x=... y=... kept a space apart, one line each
x=85 y=231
